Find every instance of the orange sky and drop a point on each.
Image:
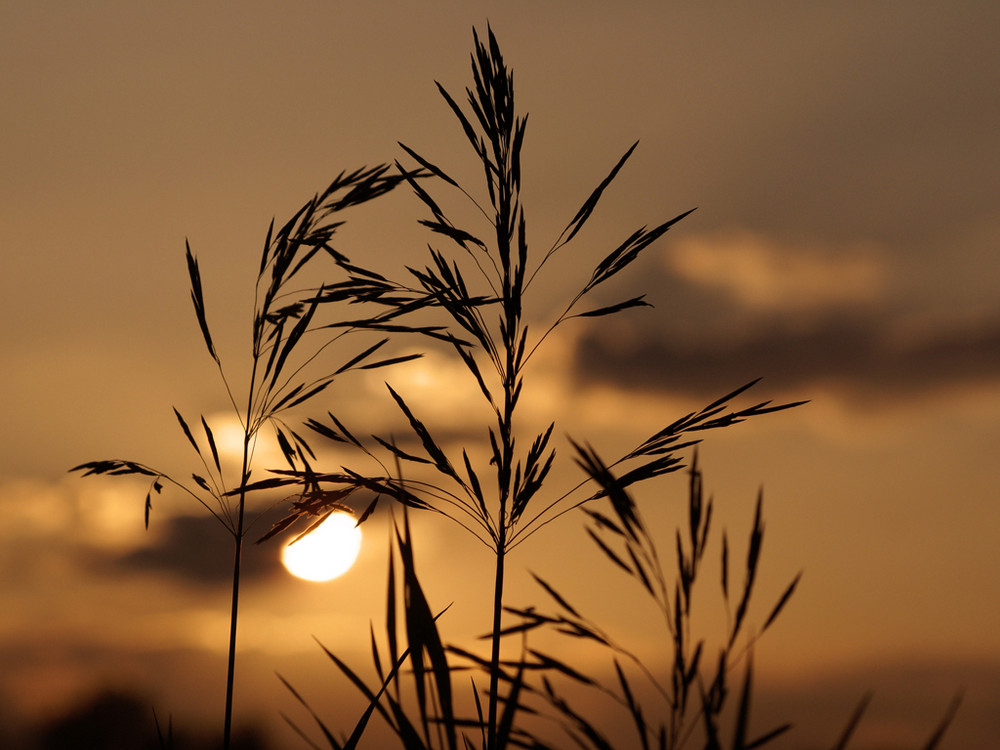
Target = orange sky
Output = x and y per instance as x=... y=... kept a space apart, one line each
x=843 y=160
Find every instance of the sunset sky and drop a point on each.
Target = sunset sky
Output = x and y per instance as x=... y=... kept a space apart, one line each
x=843 y=158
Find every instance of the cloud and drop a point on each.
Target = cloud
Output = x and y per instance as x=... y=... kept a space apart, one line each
x=760 y=274
x=860 y=355
x=804 y=315
x=198 y=550
x=95 y=513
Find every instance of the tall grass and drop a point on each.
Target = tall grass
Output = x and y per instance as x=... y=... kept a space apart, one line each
x=691 y=688
x=692 y=696
x=483 y=282
x=471 y=295
x=483 y=278
x=286 y=336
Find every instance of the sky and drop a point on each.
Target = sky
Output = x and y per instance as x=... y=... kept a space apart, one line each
x=842 y=159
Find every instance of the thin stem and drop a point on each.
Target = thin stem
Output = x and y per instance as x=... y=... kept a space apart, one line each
x=234 y=615
x=249 y=437
x=231 y=675
x=495 y=652
x=504 y=473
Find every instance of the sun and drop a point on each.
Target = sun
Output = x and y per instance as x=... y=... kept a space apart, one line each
x=327 y=552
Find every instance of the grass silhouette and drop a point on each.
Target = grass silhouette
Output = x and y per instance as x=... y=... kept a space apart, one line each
x=279 y=380
x=472 y=297
x=483 y=286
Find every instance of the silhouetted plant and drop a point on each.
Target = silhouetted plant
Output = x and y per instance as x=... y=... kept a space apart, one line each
x=688 y=694
x=483 y=291
x=691 y=695
x=436 y=723
x=279 y=378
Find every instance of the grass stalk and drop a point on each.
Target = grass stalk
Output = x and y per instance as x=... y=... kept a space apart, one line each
x=283 y=318
x=495 y=638
x=481 y=291
x=234 y=615
x=238 y=537
x=495 y=349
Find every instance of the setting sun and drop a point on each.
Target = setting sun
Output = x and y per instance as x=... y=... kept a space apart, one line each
x=327 y=552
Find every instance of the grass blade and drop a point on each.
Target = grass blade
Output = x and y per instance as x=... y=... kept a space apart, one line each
x=852 y=722
x=187 y=431
x=211 y=444
x=781 y=602
x=198 y=298
x=591 y=203
x=555 y=595
x=949 y=715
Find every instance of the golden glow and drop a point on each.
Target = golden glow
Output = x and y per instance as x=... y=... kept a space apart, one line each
x=327 y=552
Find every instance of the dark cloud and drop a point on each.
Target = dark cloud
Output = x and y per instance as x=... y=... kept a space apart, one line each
x=860 y=355
x=198 y=550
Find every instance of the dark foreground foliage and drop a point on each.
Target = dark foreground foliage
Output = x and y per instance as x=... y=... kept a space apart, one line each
x=482 y=284
x=472 y=296
x=285 y=321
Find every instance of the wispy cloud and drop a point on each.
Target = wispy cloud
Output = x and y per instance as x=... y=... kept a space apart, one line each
x=767 y=275
x=195 y=549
